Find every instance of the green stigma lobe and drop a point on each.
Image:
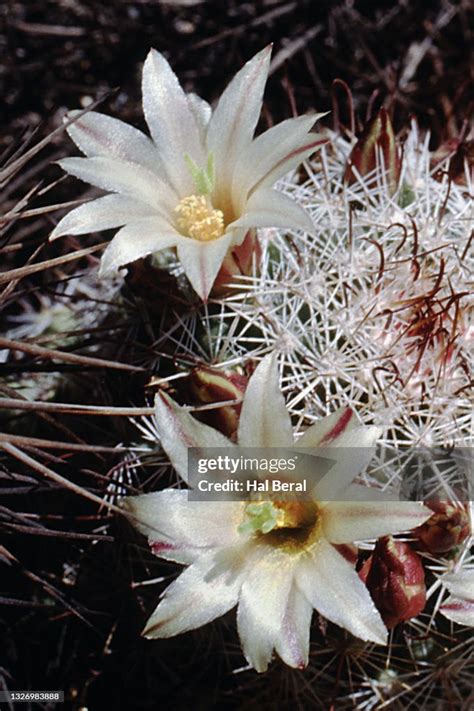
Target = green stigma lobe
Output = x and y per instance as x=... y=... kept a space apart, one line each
x=204 y=178
x=261 y=517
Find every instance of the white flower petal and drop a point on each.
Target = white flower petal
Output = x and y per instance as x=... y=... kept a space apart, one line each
x=328 y=429
x=137 y=240
x=264 y=419
x=178 y=431
x=348 y=521
x=460 y=611
x=362 y=492
x=118 y=176
x=333 y=587
x=207 y=589
x=364 y=436
x=460 y=584
x=201 y=261
x=271 y=208
x=263 y=602
x=202 y=113
x=300 y=152
x=292 y=643
x=351 y=451
x=101 y=214
x=183 y=529
x=96 y=134
x=235 y=117
x=171 y=121
x=270 y=150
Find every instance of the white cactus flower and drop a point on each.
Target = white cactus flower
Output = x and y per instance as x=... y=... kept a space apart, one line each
x=275 y=560
x=459 y=607
x=199 y=184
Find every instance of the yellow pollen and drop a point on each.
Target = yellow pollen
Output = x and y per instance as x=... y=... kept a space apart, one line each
x=295 y=514
x=197 y=218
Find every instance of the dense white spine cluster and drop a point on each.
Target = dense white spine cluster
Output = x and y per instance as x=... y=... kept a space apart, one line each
x=376 y=309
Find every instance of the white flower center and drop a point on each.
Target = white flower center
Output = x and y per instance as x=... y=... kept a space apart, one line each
x=197 y=218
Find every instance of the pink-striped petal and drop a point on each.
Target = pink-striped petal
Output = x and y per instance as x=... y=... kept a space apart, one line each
x=328 y=429
x=459 y=611
x=348 y=445
x=350 y=452
x=178 y=431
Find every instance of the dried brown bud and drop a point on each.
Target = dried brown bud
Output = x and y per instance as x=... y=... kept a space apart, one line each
x=446 y=529
x=209 y=385
x=395 y=578
x=238 y=262
x=376 y=143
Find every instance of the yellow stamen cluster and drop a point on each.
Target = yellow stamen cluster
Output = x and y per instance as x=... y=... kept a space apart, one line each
x=296 y=514
x=197 y=219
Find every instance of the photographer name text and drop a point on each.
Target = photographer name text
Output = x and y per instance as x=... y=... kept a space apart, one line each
x=250 y=486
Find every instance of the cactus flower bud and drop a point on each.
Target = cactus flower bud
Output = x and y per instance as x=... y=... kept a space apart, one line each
x=237 y=262
x=210 y=385
x=349 y=551
x=395 y=578
x=446 y=529
x=460 y=153
x=376 y=142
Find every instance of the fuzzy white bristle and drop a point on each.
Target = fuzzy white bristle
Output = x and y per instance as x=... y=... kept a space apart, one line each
x=376 y=310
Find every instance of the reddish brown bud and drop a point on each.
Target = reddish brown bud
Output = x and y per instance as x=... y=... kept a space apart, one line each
x=447 y=528
x=365 y=569
x=376 y=143
x=348 y=551
x=238 y=262
x=395 y=578
x=209 y=385
x=460 y=153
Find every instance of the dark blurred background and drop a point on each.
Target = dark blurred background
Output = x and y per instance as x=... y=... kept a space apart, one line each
x=416 y=56
x=70 y=614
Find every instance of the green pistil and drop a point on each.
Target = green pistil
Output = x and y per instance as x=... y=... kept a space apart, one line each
x=204 y=178
x=261 y=517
